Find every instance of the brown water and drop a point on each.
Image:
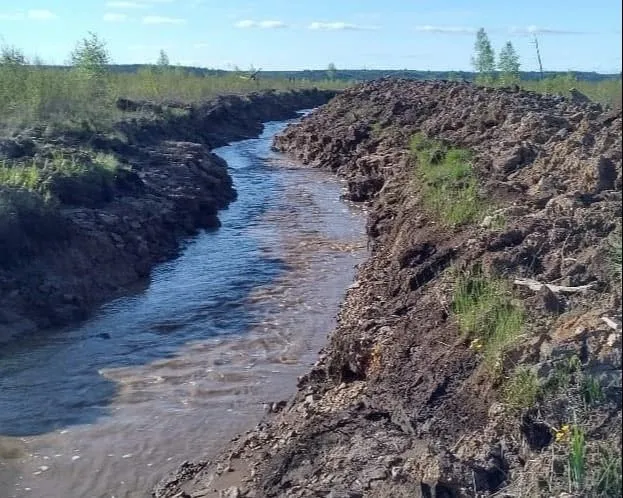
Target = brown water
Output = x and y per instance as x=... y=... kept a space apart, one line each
x=191 y=361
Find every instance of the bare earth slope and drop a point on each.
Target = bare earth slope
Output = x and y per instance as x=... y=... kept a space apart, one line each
x=401 y=403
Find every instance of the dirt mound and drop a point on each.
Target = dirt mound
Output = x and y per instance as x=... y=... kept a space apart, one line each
x=107 y=228
x=454 y=371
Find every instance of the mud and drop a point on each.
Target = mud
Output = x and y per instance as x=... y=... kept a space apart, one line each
x=398 y=403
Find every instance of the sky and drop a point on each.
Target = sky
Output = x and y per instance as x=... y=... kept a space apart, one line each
x=310 y=34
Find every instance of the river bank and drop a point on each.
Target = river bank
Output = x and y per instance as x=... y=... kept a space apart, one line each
x=101 y=238
x=474 y=355
x=102 y=408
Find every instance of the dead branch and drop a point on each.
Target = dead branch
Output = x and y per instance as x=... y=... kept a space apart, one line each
x=537 y=286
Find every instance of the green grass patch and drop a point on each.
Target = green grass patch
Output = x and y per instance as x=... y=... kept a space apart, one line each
x=605 y=92
x=522 y=389
x=486 y=313
x=78 y=179
x=449 y=184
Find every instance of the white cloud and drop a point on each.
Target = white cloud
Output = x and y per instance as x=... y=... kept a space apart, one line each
x=452 y=30
x=162 y=20
x=114 y=17
x=41 y=15
x=14 y=16
x=125 y=5
x=201 y=45
x=339 y=26
x=270 y=24
x=247 y=23
x=536 y=30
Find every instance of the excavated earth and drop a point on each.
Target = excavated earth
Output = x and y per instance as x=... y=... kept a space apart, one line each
x=398 y=403
x=95 y=247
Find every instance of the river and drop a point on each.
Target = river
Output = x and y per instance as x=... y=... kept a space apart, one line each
x=175 y=370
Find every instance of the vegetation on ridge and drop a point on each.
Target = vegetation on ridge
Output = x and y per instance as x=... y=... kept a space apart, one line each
x=447 y=180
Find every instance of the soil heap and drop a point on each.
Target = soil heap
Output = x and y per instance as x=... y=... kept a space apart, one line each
x=478 y=353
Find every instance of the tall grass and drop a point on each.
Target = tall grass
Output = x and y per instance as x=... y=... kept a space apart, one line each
x=37 y=94
x=605 y=92
x=577 y=458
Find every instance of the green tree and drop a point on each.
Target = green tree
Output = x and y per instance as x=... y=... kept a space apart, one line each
x=92 y=87
x=12 y=56
x=331 y=71
x=484 y=59
x=508 y=64
x=163 y=59
x=91 y=57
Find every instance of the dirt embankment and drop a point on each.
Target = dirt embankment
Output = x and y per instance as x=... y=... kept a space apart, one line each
x=403 y=401
x=57 y=264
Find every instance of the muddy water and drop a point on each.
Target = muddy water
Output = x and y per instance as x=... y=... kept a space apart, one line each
x=173 y=372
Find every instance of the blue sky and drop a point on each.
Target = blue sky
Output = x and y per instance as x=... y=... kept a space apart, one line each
x=309 y=34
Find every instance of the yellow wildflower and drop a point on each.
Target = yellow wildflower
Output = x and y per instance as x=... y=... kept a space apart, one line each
x=476 y=344
x=563 y=433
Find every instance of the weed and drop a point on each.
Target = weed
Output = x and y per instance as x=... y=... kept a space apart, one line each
x=616 y=253
x=608 y=481
x=563 y=375
x=485 y=311
x=522 y=389
x=449 y=185
x=577 y=458
x=592 y=393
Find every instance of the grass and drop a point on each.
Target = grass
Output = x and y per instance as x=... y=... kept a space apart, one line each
x=65 y=178
x=577 y=458
x=522 y=389
x=592 y=392
x=449 y=184
x=608 y=481
x=31 y=94
x=605 y=92
x=486 y=313
x=615 y=253
x=564 y=373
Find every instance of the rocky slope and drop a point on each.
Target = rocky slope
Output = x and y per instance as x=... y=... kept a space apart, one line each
x=401 y=402
x=56 y=265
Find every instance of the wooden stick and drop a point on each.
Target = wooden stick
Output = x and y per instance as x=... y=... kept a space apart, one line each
x=537 y=286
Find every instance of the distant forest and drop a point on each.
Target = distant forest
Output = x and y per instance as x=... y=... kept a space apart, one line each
x=372 y=74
